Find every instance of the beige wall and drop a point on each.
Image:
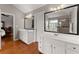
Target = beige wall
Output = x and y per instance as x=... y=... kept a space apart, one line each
x=19 y=16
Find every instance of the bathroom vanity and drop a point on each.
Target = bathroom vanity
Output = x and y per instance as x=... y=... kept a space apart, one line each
x=26 y=35
x=56 y=32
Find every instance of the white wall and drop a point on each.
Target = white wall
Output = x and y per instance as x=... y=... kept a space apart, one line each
x=19 y=16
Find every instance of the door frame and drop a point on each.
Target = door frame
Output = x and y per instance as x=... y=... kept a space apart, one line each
x=13 y=23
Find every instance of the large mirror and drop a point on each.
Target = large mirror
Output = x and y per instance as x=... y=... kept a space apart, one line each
x=29 y=23
x=62 y=21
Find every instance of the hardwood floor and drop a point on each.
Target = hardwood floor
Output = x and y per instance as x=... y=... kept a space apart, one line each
x=18 y=47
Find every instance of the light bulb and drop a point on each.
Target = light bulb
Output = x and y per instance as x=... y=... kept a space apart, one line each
x=51 y=9
x=58 y=8
x=55 y=9
x=61 y=6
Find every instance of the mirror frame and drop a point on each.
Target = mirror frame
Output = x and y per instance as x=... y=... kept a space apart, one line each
x=32 y=23
x=62 y=9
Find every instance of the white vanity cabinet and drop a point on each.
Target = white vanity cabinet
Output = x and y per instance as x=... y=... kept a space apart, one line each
x=44 y=45
x=58 y=47
x=27 y=36
x=39 y=26
x=52 y=46
x=72 y=48
x=55 y=46
x=47 y=46
x=23 y=35
x=71 y=52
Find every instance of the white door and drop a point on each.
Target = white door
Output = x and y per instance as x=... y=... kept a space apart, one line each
x=39 y=25
x=59 y=47
x=0 y=28
x=30 y=36
x=72 y=48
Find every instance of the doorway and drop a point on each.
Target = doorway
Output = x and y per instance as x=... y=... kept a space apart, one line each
x=7 y=29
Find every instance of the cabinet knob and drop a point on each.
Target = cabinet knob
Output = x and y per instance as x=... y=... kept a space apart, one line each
x=74 y=48
x=54 y=47
x=56 y=34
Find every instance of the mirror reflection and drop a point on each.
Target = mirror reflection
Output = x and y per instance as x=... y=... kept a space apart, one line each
x=62 y=21
x=29 y=23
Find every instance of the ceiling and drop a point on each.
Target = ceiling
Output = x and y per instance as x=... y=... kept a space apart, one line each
x=25 y=8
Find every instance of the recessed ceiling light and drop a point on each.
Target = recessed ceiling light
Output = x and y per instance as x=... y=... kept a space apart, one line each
x=28 y=16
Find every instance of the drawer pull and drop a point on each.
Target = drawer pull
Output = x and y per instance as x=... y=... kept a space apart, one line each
x=54 y=47
x=74 y=48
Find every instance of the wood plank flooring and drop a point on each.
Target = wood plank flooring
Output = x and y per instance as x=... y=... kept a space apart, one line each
x=18 y=47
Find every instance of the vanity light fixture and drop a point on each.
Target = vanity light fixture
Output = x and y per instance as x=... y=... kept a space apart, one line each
x=57 y=8
x=53 y=9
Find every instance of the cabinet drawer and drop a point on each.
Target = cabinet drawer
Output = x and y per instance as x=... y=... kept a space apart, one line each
x=71 y=52
x=73 y=47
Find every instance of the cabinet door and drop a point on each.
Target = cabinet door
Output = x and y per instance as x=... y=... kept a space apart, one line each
x=47 y=46
x=59 y=47
x=39 y=24
x=30 y=36
x=71 y=52
x=44 y=45
x=72 y=48
x=23 y=35
x=40 y=45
